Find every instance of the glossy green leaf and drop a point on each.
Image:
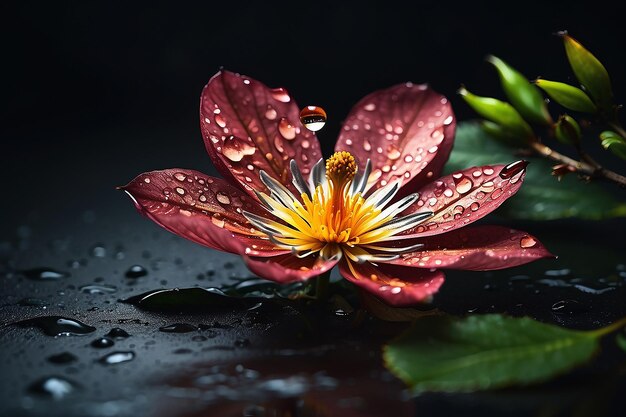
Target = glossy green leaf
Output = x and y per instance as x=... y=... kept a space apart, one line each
x=499 y=112
x=524 y=96
x=542 y=197
x=614 y=143
x=568 y=96
x=567 y=130
x=589 y=71
x=483 y=352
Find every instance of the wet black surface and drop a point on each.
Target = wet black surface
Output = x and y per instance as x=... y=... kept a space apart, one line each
x=287 y=358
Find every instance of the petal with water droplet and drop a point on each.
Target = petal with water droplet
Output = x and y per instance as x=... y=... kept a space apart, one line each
x=475 y=248
x=289 y=268
x=412 y=124
x=208 y=212
x=462 y=198
x=396 y=285
x=242 y=121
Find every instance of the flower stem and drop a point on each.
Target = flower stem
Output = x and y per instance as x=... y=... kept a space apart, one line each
x=592 y=169
x=321 y=286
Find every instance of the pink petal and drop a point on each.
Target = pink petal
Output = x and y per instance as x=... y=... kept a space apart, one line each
x=406 y=130
x=248 y=127
x=200 y=208
x=288 y=268
x=465 y=196
x=476 y=248
x=398 y=286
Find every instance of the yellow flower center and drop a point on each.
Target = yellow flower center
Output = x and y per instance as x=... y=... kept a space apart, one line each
x=334 y=215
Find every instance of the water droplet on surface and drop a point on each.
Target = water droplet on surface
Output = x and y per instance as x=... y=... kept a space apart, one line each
x=55 y=387
x=370 y=107
x=117 y=333
x=136 y=271
x=43 y=274
x=178 y=328
x=313 y=118
x=527 y=242
x=98 y=251
x=568 y=307
x=512 y=169
x=102 y=342
x=98 y=289
x=180 y=176
x=219 y=119
x=58 y=326
x=286 y=129
x=281 y=95
x=270 y=113
x=62 y=358
x=117 y=357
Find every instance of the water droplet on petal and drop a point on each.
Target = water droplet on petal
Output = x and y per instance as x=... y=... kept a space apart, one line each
x=219 y=119
x=180 y=176
x=474 y=206
x=513 y=169
x=286 y=129
x=527 y=242
x=370 y=107
x=463 y=184
x=313 y=118
x=281 y=95
x=180 y=190
x=223 y=198
x=235 y=149
x=393 y=153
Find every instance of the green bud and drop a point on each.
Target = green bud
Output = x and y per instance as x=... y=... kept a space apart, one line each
x=589 y=71
x=501 y=133
x=567 y=130
x=499 y=112
x=568 y=96
x=524 y=96
x=613 y=142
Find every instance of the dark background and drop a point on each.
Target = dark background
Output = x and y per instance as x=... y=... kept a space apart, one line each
x=97 y=92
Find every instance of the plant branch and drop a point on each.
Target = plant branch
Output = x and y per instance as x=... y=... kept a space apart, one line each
x=591 y=168
x=617 y=128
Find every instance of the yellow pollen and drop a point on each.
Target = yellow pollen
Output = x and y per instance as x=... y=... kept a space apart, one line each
x=341 y=167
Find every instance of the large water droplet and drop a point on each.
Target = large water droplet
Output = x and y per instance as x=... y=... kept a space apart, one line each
x=223 y=198
x=513 y=168
x=313 y=118
x=117 y=357
x=55 y=387
x=286 y=129
x=58 y=326
x=281 y=95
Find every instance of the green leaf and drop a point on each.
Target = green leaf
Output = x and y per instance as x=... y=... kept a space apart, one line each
x=499 y=112
x=568 y=96
x=614 y=143
x=526 y=98
x=589 y=71
x=542 y=197
x=482 y=352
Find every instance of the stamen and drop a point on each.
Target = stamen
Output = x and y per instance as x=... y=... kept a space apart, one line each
x=341 y=167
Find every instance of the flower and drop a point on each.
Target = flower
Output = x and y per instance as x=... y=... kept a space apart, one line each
x=293 y=216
